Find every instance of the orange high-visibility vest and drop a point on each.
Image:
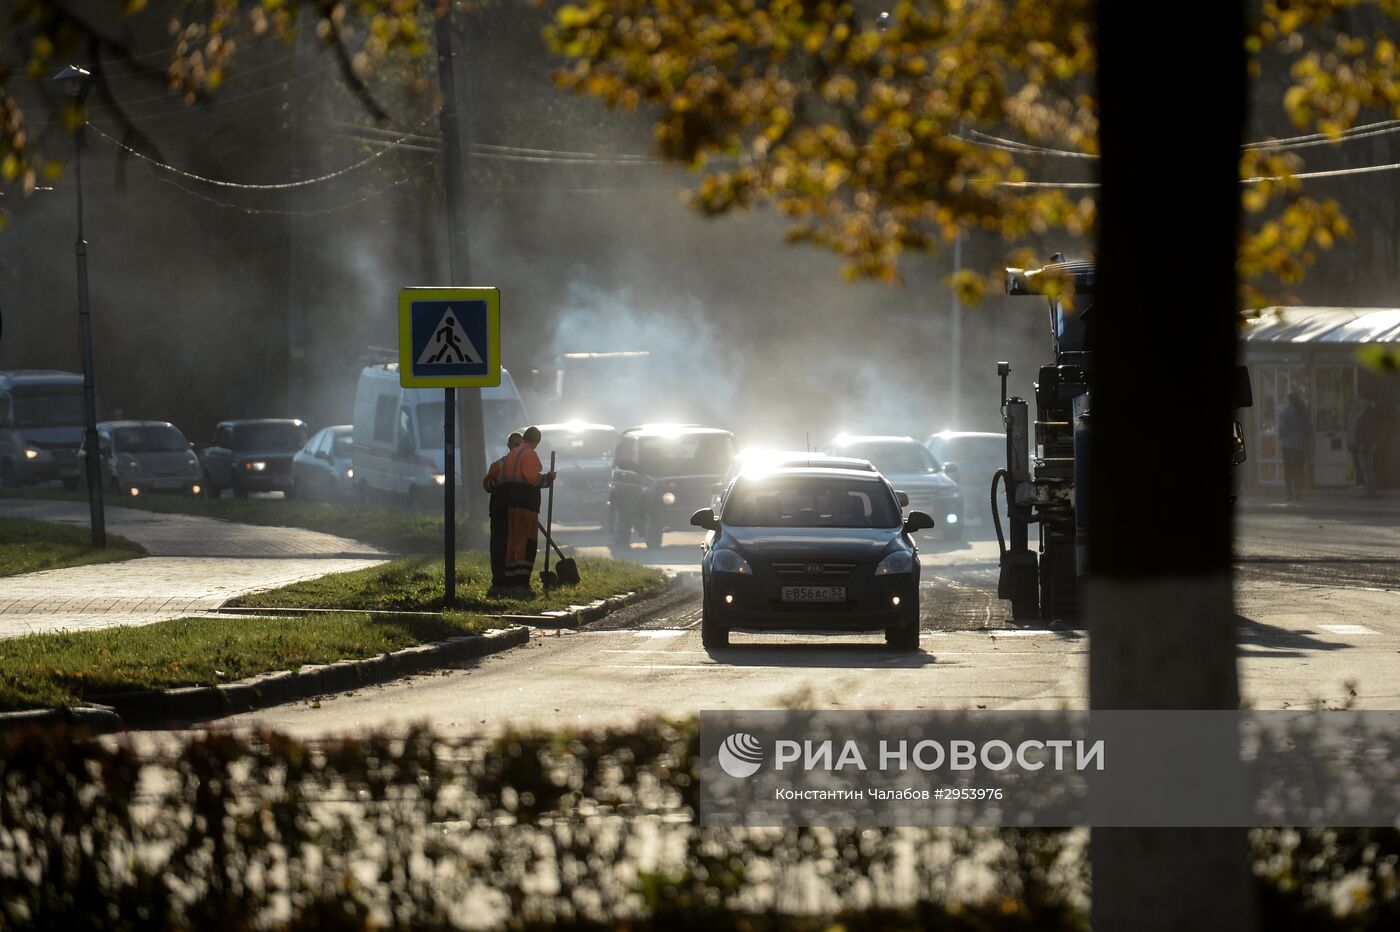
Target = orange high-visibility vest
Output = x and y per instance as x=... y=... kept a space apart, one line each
x=522 y=465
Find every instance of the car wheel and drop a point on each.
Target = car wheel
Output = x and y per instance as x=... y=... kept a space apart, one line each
x=953 y=531
x=653 y=532
x=239 y=492
x=7 y=475
x=294 y=490
x=711 y=634
x=619 y=531
x=906 y=636
x=210 y=489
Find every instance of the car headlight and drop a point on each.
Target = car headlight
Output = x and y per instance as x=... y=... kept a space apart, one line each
x=255 y=466
x=727 y=561
x=440 y=478
x=32 y=454
x=668 y=498
x=901 y=561
x=350 y=473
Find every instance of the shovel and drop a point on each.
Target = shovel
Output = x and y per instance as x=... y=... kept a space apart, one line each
x=566 y=570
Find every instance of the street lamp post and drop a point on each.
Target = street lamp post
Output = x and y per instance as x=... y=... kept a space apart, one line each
x=77 y=81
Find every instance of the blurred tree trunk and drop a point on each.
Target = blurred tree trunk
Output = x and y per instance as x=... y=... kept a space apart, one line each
x=1160 y=602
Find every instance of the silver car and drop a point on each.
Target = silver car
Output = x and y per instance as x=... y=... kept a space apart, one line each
x=911 y=468
x=323 y=470
x=145 y=456
x=585 y=454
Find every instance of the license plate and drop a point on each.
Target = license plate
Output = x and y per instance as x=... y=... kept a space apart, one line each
x=814 y=593
x=170 y=483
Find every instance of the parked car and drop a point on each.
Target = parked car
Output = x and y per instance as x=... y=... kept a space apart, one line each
x=144 y=456
x=323 y=470
x=584 y=454
x=811 y=548
x=398 y=435
x=970 y=458
x=41 y=426
x=755 y=460
x=912 y=469
x=252 y=455
x=661 y=474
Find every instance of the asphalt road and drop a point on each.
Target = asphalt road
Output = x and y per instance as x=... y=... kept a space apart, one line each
x=1318 y=597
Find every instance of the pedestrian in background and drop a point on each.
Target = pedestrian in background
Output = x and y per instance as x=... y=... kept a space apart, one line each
x=497 y=510
x=1294 y=430
x=523 y=476
x=1368 y=439
x=1354 y=412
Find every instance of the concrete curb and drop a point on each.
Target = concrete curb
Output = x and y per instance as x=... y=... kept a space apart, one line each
x=199 y=703
x=571 y=617
x=190 y=704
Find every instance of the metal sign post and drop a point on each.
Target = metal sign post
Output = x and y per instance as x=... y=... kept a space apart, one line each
x=449 y=338
x=449 y=494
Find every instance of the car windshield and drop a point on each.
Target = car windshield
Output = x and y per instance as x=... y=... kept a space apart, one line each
x=288 y=437
x=149 y=440
x=49 y=408
x=893 y=457
x=686 y=454
x=578 y=444
x=973 y=449
x=803 y=501
x=343 y=447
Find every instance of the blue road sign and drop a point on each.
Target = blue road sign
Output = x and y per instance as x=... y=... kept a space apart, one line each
x=449 y=337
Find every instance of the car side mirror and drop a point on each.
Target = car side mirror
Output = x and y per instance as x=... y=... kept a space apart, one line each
x=322 y=455
x=902 y=498
x=705 y=518
x=191 y=444
x=1243 y=392
x=951 y=470
x=917 y=521
x=627 y=465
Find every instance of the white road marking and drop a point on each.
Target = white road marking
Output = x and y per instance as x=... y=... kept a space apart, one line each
x=1347 y=629
x=660 y=633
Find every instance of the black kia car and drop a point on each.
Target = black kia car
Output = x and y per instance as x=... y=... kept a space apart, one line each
x=811 y=549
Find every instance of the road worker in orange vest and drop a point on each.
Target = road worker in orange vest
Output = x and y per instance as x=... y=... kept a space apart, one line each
x=497 y=510
x=522 y=477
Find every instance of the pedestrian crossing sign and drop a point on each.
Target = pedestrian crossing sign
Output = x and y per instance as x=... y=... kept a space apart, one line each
x=449 y=337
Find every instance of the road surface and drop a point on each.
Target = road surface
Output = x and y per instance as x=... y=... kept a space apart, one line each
x=1318 y=596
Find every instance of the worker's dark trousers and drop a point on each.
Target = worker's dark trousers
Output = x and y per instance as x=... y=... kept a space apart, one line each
x=498 y=542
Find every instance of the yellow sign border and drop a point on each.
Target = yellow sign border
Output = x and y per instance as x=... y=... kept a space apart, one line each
x=492 y=297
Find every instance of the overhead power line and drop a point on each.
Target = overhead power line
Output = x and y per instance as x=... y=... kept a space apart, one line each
x=278 y=186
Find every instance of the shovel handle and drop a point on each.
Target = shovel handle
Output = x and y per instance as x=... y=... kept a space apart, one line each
x=550 y=539
x=547 y=535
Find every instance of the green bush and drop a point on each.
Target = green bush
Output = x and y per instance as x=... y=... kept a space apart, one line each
x=524 y=831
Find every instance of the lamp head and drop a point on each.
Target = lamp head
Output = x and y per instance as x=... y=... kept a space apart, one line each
x=74 y=80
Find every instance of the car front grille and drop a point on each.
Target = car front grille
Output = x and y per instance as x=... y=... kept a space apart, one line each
x=828 y=570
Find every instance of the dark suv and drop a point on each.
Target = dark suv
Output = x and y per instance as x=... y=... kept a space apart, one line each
x=663 y=473
x=253 y=455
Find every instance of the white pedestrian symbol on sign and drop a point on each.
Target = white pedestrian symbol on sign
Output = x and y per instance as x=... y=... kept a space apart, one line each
x=449 y=345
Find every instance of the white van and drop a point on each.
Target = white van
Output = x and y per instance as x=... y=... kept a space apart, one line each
x=398 y=435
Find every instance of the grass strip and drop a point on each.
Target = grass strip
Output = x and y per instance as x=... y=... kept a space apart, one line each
x=395 y=530
x=416 y=584
x=28 y=546
x=67 y=668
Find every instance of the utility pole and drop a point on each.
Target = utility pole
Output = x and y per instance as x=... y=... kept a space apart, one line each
x=459 y=270
x=955 y=343
x=77 y=81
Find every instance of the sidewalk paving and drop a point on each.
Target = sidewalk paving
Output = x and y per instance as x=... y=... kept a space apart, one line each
x=1321 y=502
x=196 y=564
